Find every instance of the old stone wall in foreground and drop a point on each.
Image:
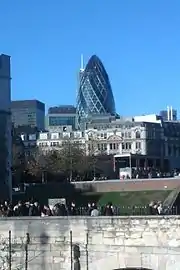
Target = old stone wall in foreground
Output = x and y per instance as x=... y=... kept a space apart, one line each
x=104 y=242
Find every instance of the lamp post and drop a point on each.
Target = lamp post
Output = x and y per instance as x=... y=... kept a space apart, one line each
x=71 y=162
x=94 y=169
x=43 y=176
x=130 y=165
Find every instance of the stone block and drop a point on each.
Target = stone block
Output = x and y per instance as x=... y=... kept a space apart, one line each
x=35 y=247
x=58 y=259
x=60 y=247
x=133 y=235
x=119 y=241
x=132 y=260
x=58 y=266
x=133 y=242
x=58 y=239
x=109 y=234
x=109 y=241
x=41 y=266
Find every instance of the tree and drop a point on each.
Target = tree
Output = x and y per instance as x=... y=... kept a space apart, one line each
x=36 y=165
x=73 y=154
x=68 y=162
x=54 y=162
x=18 y=159
x=45 y=167
x=96 y=149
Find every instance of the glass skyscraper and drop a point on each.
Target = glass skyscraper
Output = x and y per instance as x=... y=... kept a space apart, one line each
x=95 y=95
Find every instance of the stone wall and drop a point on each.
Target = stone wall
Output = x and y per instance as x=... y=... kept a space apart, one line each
x=5 y=128
x=105 y=243
x=129 y=185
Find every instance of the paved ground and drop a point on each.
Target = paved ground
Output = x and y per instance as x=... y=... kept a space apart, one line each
x=130 y=185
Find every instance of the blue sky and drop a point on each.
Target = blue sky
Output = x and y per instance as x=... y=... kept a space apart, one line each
x=138 y=42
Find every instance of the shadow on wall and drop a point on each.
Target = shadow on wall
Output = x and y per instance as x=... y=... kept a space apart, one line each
x=44 y=240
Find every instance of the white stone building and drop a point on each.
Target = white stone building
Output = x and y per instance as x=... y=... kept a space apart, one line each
x=128 y=139
x=151 y=141
x=5 y=127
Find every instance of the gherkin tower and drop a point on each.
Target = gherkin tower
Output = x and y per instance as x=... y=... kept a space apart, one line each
x=95 y=95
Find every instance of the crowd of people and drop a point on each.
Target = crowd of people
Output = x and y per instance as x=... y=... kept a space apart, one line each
x=32 y=208
x=143 y=173
x=147 y=173
x=155 y=208
x=35 y=209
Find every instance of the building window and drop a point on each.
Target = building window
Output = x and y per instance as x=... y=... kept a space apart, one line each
x=102 y=146
x=138 y=135
x=112 y=146
x=138 y=145
x=126 y=146
x=105 y=146
x=99 y=147
x=169 y=150
x=62 y=120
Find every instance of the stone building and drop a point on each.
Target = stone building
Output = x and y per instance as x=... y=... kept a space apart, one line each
x=151 y=141
x=5 y=127
x=29 y=137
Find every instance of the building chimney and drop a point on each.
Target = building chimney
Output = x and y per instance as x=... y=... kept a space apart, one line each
x=168 y=113
x=171 y=113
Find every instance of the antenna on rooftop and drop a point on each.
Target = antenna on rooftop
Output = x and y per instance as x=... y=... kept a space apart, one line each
x=82 y=62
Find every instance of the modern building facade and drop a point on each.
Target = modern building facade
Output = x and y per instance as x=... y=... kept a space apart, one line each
x=169 y=115
x=28 y=113
x=95 y=95
x=5 y=128
x=153 y=142
x=61 y=118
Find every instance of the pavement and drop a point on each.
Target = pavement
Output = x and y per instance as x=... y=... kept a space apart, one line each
x=129 y=185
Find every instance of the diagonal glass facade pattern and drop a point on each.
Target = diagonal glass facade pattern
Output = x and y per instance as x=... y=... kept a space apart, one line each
x=95 y=94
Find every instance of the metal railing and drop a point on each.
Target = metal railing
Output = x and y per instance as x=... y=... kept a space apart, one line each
x=137 y=210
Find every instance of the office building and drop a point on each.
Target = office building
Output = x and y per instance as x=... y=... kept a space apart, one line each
x=5 y=128
x=95 y=95
x=169 y=115
x=61 y=118
x=28 y=113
